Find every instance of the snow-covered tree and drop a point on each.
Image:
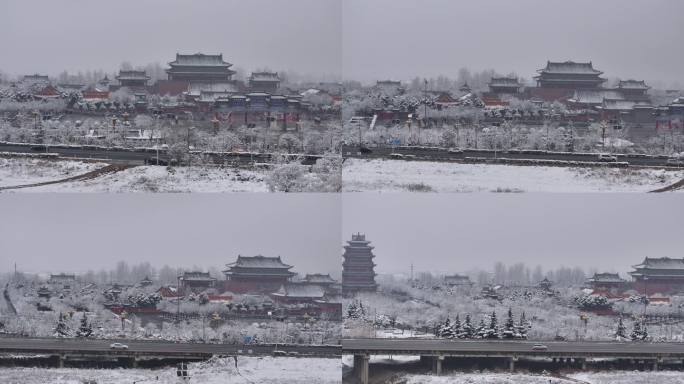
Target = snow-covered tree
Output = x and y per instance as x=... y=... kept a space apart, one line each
x=86 y=329
x=456 y=326
x=445 y=330
x=639 y=331
x=62 y=328
x=509 y=331
x=467 y=330
x=621 y=332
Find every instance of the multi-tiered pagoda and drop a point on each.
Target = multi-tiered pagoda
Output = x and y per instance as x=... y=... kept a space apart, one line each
x=659 y=275
x=200 y=68
x=257 y=274
x=357 y=268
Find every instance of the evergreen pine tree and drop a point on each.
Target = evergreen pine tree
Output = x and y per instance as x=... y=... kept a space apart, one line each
x=493 y=331
x=61 y=329
x=481 y=328
x=621 y=332
x=352 y=310
x=636 y=334
x=468 y=330
x=522 y=327
x=509 y=331
x=85 y=330
x=644 y=332
x=456 y=327
x=446 y=331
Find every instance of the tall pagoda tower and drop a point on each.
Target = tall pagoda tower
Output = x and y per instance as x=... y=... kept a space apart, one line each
x=357 y=268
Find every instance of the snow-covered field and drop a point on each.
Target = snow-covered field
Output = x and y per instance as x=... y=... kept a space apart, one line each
x=390 y=371
x=20 y=171
x=420 y=176
x=163 y=179
x=287 y=370
x=507 y=378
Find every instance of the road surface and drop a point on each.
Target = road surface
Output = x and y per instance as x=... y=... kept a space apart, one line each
x=441 y=154
x=156 y=348
x=511 y=348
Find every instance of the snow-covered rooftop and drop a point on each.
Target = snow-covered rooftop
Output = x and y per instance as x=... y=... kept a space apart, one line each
x=660 y=263
x=259 y=261
x=569 y=67
x=299 y=290
x=199 y=59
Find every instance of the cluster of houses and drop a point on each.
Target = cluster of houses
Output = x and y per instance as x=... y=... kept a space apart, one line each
x=576 y=85
x=195 y=83
x=653 y=277
x=267 y=279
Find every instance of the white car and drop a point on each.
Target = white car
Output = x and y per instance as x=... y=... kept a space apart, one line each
x=607 y=158
x=540 y=347
x=118 y=346
x=675 y=161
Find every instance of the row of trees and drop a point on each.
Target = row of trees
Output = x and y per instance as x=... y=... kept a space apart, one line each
x=62 y=328
x=639 y=331
x=489 y=329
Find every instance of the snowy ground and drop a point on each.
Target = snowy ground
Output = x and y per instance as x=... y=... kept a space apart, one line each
x=506 y=378
x=390 y=371
x=419 y=176
x=287 y=370
x=137 y=179
x=19 y=171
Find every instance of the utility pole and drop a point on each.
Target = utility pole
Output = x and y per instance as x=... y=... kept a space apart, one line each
x=411 y=271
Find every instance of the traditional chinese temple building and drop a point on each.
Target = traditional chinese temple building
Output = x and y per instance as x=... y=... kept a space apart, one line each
x=569 y=75
x=504 y=85
x=634 y=90
x=132 y=78
x=607 y=283
x=62 y=278
x=559 y=80
x=256 y=274
x=457 y=280
x=659 y=275
x=196 y=281
x=297 y=293
x=357 y=269
x=268 y=82
x=200 y=68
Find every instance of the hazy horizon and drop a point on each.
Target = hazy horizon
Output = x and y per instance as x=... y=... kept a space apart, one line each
x=353 y=39
x=302 y=36
x=457 y=233
x=402 y=39
x=81 y=232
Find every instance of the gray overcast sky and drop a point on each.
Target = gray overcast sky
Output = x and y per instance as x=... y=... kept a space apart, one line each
x=460 y=232
x=402 y=39
x=51 y=36
x=77 y=232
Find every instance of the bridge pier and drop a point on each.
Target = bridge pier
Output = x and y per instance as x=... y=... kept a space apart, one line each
x=437 y=364
x=655 y=364
x=61 y=361
x=511 y=364
x=584 y=364
x=361 y=368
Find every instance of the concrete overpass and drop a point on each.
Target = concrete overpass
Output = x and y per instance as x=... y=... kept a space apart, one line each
x=98 y=350
x=139 y=156
x=446 y=155
x=434 y=351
